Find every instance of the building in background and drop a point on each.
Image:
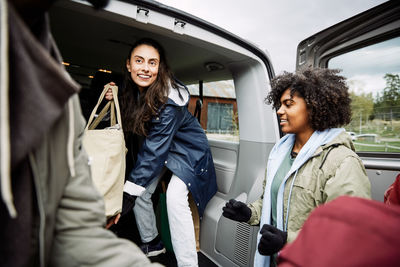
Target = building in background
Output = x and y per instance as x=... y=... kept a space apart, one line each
x=219 y=111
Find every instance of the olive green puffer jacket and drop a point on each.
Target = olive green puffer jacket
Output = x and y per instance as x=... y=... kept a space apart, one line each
x=334 y=170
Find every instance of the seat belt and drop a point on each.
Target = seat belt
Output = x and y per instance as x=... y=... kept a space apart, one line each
x=199 y=102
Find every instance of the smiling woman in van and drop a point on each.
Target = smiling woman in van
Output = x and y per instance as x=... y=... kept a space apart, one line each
x=312 y=164
x=154 y=107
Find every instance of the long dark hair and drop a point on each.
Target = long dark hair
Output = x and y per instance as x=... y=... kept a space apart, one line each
x=138 y=108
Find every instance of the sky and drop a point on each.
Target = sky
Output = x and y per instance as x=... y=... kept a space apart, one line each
x=274 y=25
x=366 y=74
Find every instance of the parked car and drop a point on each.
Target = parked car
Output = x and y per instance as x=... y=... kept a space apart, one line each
x=353 y=135
x=93 y=41
x=374 y=138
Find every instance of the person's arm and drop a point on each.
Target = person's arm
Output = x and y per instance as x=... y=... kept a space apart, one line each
x=153 y=154
x=80 y=238
x=350 y=179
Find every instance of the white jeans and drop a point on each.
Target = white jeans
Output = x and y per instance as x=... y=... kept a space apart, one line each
x=179 y=217
x=181 y=223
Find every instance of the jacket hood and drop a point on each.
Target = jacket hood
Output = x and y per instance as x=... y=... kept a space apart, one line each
x=37 y=87
x=179 y=96
x=342 y=139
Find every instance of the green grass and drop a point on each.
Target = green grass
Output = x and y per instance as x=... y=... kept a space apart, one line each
x=382 y=148
x=384 y=129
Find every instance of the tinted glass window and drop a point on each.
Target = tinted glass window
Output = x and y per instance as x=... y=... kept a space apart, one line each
x=219 y=116
x=373 y=74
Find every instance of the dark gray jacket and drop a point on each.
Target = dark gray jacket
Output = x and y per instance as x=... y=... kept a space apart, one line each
x=46 y=130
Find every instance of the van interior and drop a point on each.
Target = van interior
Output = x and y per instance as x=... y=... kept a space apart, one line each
x=231 y=74
x=95 y=43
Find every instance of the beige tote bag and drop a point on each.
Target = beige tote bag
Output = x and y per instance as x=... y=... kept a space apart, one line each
x=106 y=150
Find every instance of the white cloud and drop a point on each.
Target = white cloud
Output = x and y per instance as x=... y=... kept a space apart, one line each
x=277 y=26
x=376 y=59
x=367 y=84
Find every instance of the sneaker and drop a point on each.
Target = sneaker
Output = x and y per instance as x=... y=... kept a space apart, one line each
x=153 y=250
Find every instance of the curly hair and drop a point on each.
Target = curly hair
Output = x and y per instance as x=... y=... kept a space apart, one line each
x=138 y=109
x=324 y=91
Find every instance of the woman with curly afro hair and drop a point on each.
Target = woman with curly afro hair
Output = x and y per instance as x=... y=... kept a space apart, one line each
x=312 y=164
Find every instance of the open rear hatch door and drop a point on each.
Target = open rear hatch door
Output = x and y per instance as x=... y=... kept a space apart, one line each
x=372 y=26
x=366 y=48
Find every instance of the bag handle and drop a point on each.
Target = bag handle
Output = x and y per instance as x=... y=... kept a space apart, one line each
x=113 y=104
x=101 y=115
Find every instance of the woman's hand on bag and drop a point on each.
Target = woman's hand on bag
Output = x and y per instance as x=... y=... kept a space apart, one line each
x=109 y=95
x=113 y=220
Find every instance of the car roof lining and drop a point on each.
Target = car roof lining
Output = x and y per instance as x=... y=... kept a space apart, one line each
x=90 y=40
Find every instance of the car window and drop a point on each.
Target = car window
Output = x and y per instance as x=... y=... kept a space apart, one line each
x=373 y=74
x=219 y=117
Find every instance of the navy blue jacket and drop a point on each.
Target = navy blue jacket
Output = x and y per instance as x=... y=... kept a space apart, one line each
x=176 y=140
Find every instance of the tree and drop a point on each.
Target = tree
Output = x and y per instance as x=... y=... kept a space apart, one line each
x=362 y=104
x=387 y=104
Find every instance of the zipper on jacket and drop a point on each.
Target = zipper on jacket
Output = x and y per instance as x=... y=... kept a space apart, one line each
x=288 y=202
x=39 y=198
x=70 y=140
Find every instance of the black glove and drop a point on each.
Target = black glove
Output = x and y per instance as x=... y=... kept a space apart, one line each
x=128 y=202
x=237 y=211
x=272 y=240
